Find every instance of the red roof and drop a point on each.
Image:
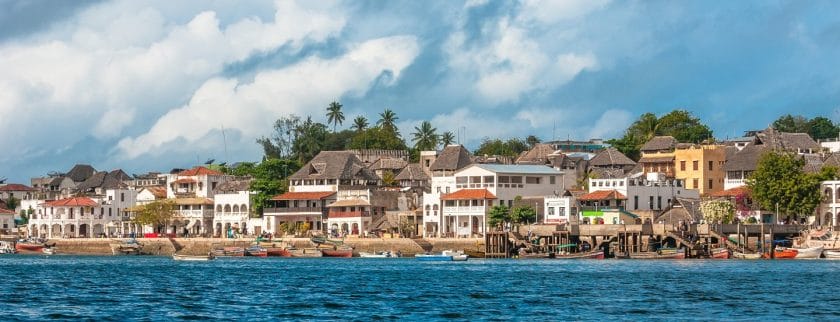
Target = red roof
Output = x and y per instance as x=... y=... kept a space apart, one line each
x=469 y=194
x=314 y=195
x=7 y=211
x=184 y=180
x=16 y=187
x=733 y=192
x=603 y=195
x=72 y=202
x=200 y=171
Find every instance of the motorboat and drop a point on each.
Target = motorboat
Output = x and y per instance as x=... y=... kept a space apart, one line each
x=719 y=253
x=378 y=255
x=809 y=253
x=7 y=248
x=825 y=238
x=193 y=258
x=739 y=255
x=782 y=253
x=48 y=251
x=444 y=256
x=337 y=252
x=256 y=251
x=831 y=254
x=598 y=254
x=35 y=245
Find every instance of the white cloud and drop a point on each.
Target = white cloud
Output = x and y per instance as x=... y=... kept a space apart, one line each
x=251 y=108
x=611 y=124
x=554 y=11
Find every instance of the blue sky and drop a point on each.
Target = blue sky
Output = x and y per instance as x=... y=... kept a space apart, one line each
x=149 y=85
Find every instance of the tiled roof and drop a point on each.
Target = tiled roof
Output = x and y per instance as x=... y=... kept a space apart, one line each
x=469 y=194
x=16 y=187
x=314 y=195
x=72 y=202
x=199 y=171
x=339 y=165
x=732 y=192
x=603 y=195
x=193 y=201
x=453 y=157
x=157 y=191
x=659 y=143
x=610 y=157
x=413 y=171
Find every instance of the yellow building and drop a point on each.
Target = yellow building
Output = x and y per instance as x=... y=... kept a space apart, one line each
x=700 y=166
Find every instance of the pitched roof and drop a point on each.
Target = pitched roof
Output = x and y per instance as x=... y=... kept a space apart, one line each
x=731 y=151
x=538 y=154
x=72 y=202
x=602 y=195
x=610 y=157
x=519 y=168
x=746 y=159
x=105 y=180
x=312 y=195
x=184 y=180
x=388 y=164
x=233 y=186
x=452 y=157
x=469 y=194
x=774 y=139
x=656 y=159
x=16 y=187
x=659 y=143
x=80 y=172
x=157 y=191
x=813 y=163
x=200 y=171
x=607 y=173
x=413 y=171
x=832 y=159
x=335 y=165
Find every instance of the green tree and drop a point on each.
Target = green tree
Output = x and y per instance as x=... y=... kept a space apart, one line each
x=280 y=143
x=447 y=138
x=334 y=114
x=792 y=124
x=388 y=179
x=822 y=128
x=12 y=203
x=523 y=214
x=532 y=141
x=718 y=211
x=388 y=120
x=680 y=124
x=511 y=148
x=270 y=178
x=377 y=138
x=310 y=139
x=156 y=213
x=425 y=137
x=779 y=180
x=498 y=215
x=360 y=123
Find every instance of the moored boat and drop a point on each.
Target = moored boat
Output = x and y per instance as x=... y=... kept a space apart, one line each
x=35 y=245
x=809 y=253
x=664 y=253
x=719 y=253
x=739 y=255
x=6 y=248
x=444 y=256
x=305 y=252
x=127 y=247
x=598 y=254
x=782 y=253
x=378 y=255
x=278 y=252
x=179 y=257
x=48 y=251
x=256 y=251
x=229 y=251
x=831 y=254
x=340 y=252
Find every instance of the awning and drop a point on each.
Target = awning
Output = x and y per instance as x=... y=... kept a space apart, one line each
x=349 y=203
x=313 y=195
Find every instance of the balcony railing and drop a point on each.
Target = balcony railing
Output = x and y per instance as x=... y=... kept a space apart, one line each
x=294 y=210
x=193 y=213
x=735 y=182
x=464 y=210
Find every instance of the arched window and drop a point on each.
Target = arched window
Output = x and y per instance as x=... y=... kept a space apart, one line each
x=227 y=208
x=235 y=208
x=218 y=208
x=243 y=208
x=828 y=195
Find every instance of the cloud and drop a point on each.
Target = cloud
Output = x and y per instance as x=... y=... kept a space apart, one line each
x=251 y=107
x=611 y=124
x=552 y=11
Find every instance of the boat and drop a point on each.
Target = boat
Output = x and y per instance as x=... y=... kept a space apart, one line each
x=825 y=238
x=457 y=256
x=719 y=253
x=278 y=252
x=739 y=255
x=565 y=252
x=6 y=248
x=128 y=247
x=196 y=258
x=444 y=256
x=229 y=251
x=378 y=255
x=256 y=251
x=48 y=251
x=664 y=253
x=338 y=252
x=831 y=254
x=305 y=252
x=35 y=245
x=782 y=253
x=809 y=253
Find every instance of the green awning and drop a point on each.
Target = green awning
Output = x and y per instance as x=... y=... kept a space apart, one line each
x=592 y=213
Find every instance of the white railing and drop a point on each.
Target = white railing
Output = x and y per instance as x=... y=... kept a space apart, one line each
x=732 y=183
x=477 y=210
x=194 y=213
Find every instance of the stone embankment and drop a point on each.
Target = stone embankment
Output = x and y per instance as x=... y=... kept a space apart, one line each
x=197 y=246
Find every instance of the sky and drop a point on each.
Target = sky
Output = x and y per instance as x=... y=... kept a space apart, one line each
x=155 y=85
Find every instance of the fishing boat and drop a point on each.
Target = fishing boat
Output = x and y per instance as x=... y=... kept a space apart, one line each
x=48 y=251
x=444 y=256
x=457 y=256
x=278 y=252
x=782 y=253
x=192 y=258
x=565 y=252
x=739 y=255
x=809 y=253
x=229 y=251
x=663 y=253
x=719 y=253
x=338 y=252
x=825 y=238
x=128 y=247
x=7 y=248
x=831 y=254
x=378 y=255
x=256 y=251
x=35 y=245
x=305 y=252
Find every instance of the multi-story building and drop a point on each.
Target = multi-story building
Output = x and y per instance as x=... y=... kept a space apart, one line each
x=651 y=192
x=741 y=165
x=442 y=168
x=233 y=204
x=828 y=213
x=102 y=215
x=658 y=156
x=701 y=166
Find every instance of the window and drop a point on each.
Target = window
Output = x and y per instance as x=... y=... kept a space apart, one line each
x=711 y=181
x=122 y=196
x=650 y=202
x=711 y=165
x=532 y=180
x=504 y=179
x=696 y=184
x=695 y=164
x=515 y=179
x=562 y=211
x=550 y=211
x=682 y=165
x=552 y=180
x=658 y=202
x=635 y=202
x=489 y=179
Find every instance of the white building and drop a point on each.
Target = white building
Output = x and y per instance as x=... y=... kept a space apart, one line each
x=84 y=216
x=651 y=192
x=442 y=168
x=829 y=210
x=232 y=200
x=7 y=221
x=558 y=210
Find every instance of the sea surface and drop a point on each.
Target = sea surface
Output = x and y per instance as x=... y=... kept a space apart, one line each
x=107 y=288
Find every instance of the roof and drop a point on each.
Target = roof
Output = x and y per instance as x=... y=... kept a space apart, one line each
x=453 y=157
x=731 y=151
x=340 y=165
x=313 y=195
x=105 y=180
x=193 y=201
x=610 y=157
x=80 y=172
x=200 y=171
x=746 y=159
x=659 y=143
x=16 y=187
x=607 y=173
x=787 y=141
x=72 y=202
x=184 y=180
x=388 y=164
x=349 y=203
x=538 y=154
x=233 y=186
x=813 y=163
x=7 y=211
x=157 y=191
x=732 y=192
x=518 y=168
x=602 y=195
x=656 y=159
x=413 y=171
x=469 y=194
x=832 y=159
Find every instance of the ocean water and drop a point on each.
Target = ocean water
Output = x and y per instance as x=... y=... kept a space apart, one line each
x=141 y=288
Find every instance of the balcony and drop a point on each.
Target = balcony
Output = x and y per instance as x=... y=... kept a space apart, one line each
x=194 y=213
x=295 y=210
x=346 y=214
x=470 y=210
x=734 y=183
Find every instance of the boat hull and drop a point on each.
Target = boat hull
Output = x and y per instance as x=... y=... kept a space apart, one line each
x=588 y=255
x=433 y=258
x=832 y=254
x=278 y=252
x=783 y=253
x=192 y=258
x=679 y=254
x=720 y=253
x=306 y=252
x=809 y=253
x=342 y=253
x=27 y=247
x=738 y=255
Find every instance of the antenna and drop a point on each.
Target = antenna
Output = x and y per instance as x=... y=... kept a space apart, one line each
x=224 y=140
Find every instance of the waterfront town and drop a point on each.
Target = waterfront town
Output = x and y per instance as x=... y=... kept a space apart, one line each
x=553 y=199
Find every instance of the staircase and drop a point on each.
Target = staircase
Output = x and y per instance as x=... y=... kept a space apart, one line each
x=680 y=240
x=729 y=243
x=424 y=244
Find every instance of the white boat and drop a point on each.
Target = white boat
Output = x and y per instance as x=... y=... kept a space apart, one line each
x=809 y=253
x=378 y=255
x=825 y=238
x=457 y=256
x=207 y=257
x=48 y=251
x=7 y=248
x=831 y=254
x=739 y=255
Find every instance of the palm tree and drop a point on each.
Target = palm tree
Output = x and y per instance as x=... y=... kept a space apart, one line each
x=647 y=126
x=425 y=138
x=387 y=119
x=447 y=138
x=360 y=123
x=334 y=114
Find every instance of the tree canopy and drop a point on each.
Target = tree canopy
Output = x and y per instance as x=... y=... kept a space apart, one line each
x=498 y=215
x=779 y=180
x=819 y=128
x=425 y=137
x=680 y=124
x=155 y=213
x=334 y=114
x=511 y=148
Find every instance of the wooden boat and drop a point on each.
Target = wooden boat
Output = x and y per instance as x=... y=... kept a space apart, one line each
x=444 y=256
x=665 y=253
x=831 y=254
x=229 y=251
x=48 y=250
x=30 y=245
x=378 y=255
x=598 y=254
x=339 y=252
x=719 y=253
x=6 y=248
x=128 y=247
x=782 y=253
x=256 y=251
x=305 y=252
x=278 y=252
x=825 y=238
x=809 y=253
x=739 y=255
x=207 y=257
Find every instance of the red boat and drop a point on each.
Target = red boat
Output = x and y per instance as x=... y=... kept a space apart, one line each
x=665 y=253
x=587 y=255
x=256 y=251
x=783 y=253
x=278 y=252
x=30 y=245
x=337 y=252
x=720 y=253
